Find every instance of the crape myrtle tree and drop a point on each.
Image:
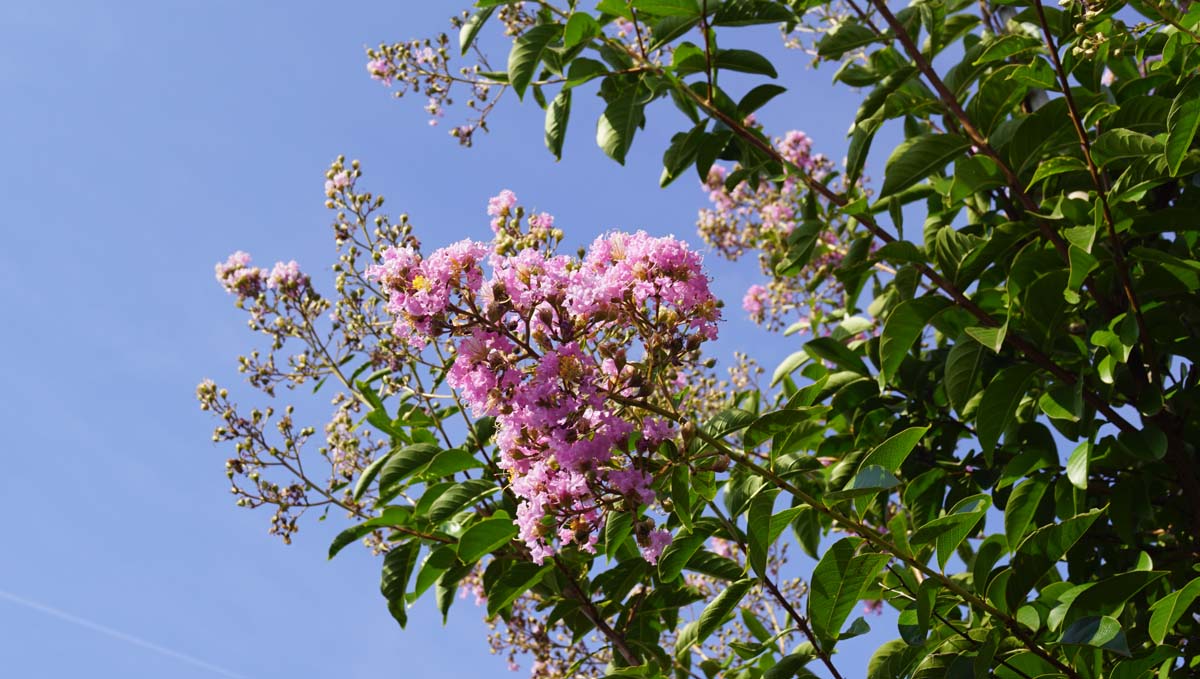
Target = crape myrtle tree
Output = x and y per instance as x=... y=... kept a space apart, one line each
x=990 y=423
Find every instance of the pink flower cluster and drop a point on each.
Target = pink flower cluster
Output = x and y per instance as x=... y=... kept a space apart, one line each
x=381 y=70
x=239 y=278
x=543 y=346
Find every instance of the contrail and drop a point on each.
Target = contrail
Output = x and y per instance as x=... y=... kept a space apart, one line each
x=116 y=634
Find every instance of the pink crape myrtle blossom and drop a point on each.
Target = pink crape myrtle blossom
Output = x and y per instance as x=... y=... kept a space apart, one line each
x=754 y=300
x=381 y=70
x=336 y=183
x=287 y=278
x=239 y=278
x=541 y=345
x=500 y=207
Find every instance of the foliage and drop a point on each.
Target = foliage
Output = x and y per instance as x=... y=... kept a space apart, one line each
x=991 y=427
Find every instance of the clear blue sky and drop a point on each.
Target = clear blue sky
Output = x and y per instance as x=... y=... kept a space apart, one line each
x=143 y=142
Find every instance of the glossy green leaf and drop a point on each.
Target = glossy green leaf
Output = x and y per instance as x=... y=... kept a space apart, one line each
x=918 y=157
x=837 y=584
x=470 y=28
x=485 y=537
x=527 y=53
x=758 y=529
x=1077 y=465
x=1182 y=123
x=999 y=404
x=893 y=452
x=903 y=327
x=677 y=555
x=557 y=115
x=580 y=27
x=459 y=498
x=713 y=616
x=403 y=463
x=1021 y=507
x=1099 y=631
x=397 y=567
x=515 y=581
x=950 y=530
x=964 y=366
x=1167 y=611
x=618 y=124
x=1041 y=550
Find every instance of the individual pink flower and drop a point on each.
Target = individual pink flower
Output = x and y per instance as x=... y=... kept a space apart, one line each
x=499 y=207
x=656 y=542
x=382 y=70
x=754 y=300
x=336 y=183
x=873 y=607
x=287 y=279
x=239 y=278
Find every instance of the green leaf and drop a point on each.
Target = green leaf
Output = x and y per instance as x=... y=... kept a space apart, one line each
x=836 y=586
x=788 y=366
x=1168 y=610
x=1043 y=548
x=950 y=530
x=515 y=581
x=1022 y=505
x=861 y=136
x=527 y=53
x=961 y=377
x=580 y=27
x=1077 y=465
x=681 y=153
x=557 y=115
x=1109 y=596
x=1055 y=166
x=1121 y=144
x=617 y=528
x=485 y=537
x=470 y=28
x=1099 y=631
x=919 y=157
x=450 y=462
x=758 y=97
x=893 y=452
x=618 y=124
x=391 y=516
x=664 y=8
x=791 y=665
x=1182 y=123
x=397 y=567
x=991 y=337
x=751 y=13
x=891 y=660
x=582 y=70
x=998 y=406
x=758 y=529
x=369 y=474
x=436 y=563
x=676 y=556
x=712 y=617
x=904 y=325
x=836 y=352
x=710 y=564
x=403 y=463
x=868 y=480
x=460 y=497
x=668 y=28
x=745 y=61
x=843 y=38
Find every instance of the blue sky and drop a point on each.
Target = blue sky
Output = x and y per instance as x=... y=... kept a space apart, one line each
x=144 y=142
